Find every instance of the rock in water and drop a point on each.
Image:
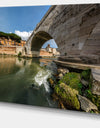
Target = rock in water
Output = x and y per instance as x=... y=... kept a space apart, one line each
x=86 y=104
x=52 y=67
x=68 y=95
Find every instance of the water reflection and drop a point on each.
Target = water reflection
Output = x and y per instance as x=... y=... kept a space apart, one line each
x=17 y=77
x=12 y=64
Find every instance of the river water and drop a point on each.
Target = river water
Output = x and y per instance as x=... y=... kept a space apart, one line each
x=24 y=81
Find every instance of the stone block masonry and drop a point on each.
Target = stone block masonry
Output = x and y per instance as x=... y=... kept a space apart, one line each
x=7 y=50
x=10 y=50
x=75 y=29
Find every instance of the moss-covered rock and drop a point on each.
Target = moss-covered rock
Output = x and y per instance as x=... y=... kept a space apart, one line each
x=73 y=80
x=68 y=95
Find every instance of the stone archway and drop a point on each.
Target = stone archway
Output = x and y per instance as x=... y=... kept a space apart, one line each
x=38 y=40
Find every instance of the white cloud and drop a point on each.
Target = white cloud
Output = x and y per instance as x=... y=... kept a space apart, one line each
x=24 y=35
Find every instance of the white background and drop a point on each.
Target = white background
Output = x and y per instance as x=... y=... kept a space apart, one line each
x=21 y=116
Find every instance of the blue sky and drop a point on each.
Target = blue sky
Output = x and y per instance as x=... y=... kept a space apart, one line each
x=21 y=20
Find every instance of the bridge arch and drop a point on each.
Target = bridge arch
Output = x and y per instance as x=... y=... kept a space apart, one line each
x=39 y=39
x=37 y=42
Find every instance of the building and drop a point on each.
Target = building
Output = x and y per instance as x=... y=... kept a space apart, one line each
x=48 y=51
x=52 y=50
x=9 y=42
x=10 y=47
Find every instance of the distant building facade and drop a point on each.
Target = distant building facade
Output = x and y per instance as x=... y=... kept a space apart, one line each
x=9 y=42
x=48 y=51
x=11 y=47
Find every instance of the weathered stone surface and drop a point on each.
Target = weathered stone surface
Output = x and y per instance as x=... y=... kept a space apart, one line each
x=60 y=76
x=96 y=81
x=84 y=82
x=96 y=87
x=8 y=50
x=96 y=73
x=75 y=28
x=63 y=70
x=86 y=104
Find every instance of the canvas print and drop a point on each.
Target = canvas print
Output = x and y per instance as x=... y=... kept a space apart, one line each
x=50 y=56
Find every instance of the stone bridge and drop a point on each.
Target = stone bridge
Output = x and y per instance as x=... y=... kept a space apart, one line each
x=75 y=29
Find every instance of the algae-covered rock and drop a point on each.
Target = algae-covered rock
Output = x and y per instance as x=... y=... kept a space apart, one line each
x=68 y=95
x=51 y=81
x=73 y=80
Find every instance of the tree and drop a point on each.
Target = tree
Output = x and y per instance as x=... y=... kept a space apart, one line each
x=11 y=36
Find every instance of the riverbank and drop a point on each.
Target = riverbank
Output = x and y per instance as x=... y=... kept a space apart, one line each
x=76 y=88
x=61 y=86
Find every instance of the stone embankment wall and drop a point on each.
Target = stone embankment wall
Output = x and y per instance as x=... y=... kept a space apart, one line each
x=10 y=50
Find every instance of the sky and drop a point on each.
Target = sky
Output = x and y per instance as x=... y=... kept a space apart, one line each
x=22 y=20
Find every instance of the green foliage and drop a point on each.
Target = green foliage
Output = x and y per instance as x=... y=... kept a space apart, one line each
x=57 y=89
x=68 y=95
x=94 y=98
x=11 y=36
x=86 y=74
x=19 y=54
x=73 y=80
x=92 y=111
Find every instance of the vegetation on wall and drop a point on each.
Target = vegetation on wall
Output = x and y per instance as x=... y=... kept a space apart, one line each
x=19 y=54
x=11 y=36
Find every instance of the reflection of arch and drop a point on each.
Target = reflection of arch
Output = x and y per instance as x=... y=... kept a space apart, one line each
x=39 y=39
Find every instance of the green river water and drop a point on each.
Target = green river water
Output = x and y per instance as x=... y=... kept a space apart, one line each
x=17 y=75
